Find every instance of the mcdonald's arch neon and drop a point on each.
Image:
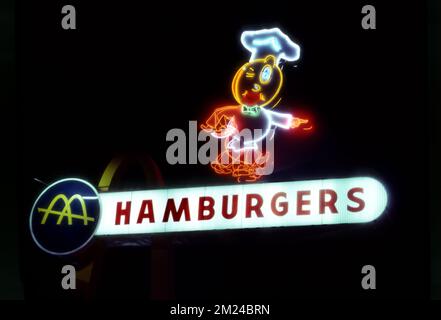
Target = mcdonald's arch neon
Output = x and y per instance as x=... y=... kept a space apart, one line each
x=65 y=216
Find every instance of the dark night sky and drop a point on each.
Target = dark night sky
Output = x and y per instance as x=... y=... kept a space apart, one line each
x=131 y=72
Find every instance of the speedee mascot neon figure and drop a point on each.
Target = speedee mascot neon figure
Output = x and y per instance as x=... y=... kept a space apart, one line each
x=255 y=88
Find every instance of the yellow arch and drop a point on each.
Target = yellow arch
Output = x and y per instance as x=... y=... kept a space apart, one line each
x=151 y=170
x=67 y=210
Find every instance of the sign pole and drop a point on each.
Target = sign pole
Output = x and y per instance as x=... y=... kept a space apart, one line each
x=161 y=249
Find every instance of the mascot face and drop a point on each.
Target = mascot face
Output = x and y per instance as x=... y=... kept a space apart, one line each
x=257 y=83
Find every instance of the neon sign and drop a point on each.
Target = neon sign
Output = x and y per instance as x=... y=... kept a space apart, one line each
x=70 y=212
x=255 y=87
x=64 y=224
x=262 y=205
x=65 y=216
x=274 y=40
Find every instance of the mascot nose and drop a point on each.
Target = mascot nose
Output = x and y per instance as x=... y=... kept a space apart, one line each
x=256 y=87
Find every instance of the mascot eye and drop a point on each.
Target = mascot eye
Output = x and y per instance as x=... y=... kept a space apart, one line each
x=266 y=73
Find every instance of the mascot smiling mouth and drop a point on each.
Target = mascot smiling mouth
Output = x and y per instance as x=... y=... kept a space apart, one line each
x=252 y=98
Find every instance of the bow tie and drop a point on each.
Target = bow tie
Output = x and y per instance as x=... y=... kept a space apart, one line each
x=251 y=111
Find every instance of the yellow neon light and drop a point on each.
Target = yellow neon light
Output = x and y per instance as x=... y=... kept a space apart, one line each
x=66 y=211
x=108 y=174
x=241 y=73
x=275 y=105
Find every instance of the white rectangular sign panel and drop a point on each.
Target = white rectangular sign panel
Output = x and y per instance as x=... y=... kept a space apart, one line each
x=241 y=206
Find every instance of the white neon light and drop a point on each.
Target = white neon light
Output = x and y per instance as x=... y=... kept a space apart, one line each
x=273 y=119
x=373 y=196
x=227 y=132
x=273 y=40
x=90 y=198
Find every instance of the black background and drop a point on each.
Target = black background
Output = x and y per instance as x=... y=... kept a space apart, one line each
x=132 y=71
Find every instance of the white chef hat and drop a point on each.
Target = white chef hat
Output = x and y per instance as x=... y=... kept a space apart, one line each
x=270 y=42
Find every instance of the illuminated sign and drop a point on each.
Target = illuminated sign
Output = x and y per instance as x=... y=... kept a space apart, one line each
x=65 y=216
x=255 y=87
x=279 y=204
x=68 y=213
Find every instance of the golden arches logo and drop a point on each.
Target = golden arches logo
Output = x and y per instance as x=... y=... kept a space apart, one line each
x=67 y=210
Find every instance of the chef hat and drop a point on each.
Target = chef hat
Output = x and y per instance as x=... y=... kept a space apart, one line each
x=270 y=41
